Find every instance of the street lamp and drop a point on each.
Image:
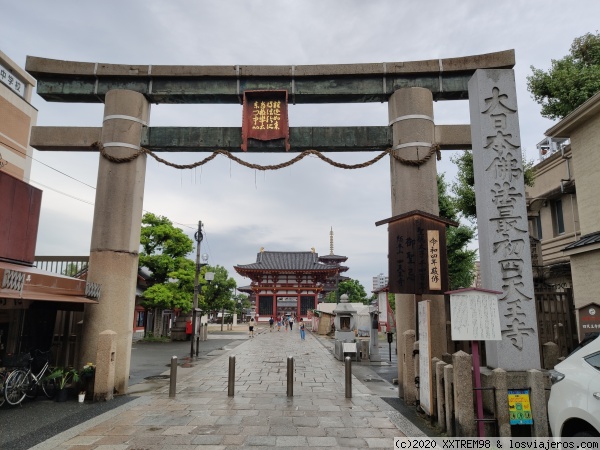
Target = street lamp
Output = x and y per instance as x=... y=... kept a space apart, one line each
x=198 y=237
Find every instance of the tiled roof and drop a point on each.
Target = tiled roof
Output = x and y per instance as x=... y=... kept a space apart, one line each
x=588 y=239
x=287 y=261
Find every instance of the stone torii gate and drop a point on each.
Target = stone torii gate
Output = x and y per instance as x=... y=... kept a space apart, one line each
x=409 y=88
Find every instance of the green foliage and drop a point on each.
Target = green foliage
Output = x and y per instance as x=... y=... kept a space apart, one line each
x=151 y=338
x=570 y=81
x=163 y=252
x=392 y=301
x=217 y=294
x=461 y=260
x=353 y=289
x=63 y=376
x=464 y=186
x=73 y=269
x=242 y=302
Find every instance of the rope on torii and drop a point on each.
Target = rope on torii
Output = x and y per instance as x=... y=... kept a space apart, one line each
x=434 y=149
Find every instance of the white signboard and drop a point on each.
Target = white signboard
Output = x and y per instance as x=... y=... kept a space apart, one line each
x=425 y=381
x=11 y=81
x=383 y=306
x=475 y=317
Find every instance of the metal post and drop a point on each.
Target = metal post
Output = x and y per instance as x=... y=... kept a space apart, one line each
x=198 y=236
x=290 y=376
x=197 y=345
x=173 y=377
x=231 y=380
x=348 y=364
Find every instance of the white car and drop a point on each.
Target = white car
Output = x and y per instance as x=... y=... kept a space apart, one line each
x=574 y=405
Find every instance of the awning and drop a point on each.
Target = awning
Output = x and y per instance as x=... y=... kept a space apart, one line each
x=24 y=283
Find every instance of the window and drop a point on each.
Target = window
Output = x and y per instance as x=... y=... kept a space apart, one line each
x=594 y=360
x=140 y=318
x=538 y=227
x=559 y=221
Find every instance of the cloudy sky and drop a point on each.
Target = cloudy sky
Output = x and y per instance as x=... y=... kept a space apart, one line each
x=292 y=209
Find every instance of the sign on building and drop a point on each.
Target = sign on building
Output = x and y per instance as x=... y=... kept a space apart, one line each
x=417 y=253
x=7 y=78
x=588 y=319
x=265 y=117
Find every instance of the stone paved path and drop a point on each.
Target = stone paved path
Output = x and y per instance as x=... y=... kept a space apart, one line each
x=260 y=414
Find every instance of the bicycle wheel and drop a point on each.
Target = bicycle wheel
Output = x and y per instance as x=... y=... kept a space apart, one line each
x=15 y=386
x=50 y=388
x=2 y=381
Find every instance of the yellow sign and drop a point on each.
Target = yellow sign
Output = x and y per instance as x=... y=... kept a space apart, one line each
x=433 y=249
x=519 y=407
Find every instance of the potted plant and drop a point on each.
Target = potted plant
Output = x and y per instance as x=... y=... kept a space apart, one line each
x=64 y=376
x=86 y=375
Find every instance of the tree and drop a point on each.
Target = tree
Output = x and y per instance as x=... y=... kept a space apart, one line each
x=464 y=186
x=461 y=260
x=163 y=252
x=570 y=81
x=353 y=289
x=218 y=293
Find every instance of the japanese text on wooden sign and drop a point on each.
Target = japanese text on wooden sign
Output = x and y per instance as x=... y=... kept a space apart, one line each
x=417 y=253
x=433 y=248
x=265 y=117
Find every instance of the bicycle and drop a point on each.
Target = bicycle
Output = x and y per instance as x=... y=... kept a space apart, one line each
x=23 y=382
x=3 y=376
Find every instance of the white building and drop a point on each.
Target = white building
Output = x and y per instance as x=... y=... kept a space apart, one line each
x=380 y=281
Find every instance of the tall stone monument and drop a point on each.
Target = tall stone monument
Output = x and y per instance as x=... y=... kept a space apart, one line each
x=502 y=217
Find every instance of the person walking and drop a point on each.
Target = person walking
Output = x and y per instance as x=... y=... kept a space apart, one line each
x=251 y=327
x=279 y=324
x=271 y=322
x=286 y=322
x=291 y=323
x=302 y=332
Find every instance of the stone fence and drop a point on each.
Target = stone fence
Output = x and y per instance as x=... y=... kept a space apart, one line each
x=454 y=409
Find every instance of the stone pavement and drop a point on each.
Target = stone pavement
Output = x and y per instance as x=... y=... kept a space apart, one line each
x=259 y=415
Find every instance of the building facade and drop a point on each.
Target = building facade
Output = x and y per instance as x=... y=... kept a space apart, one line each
x=287 y=282
x=553 y=214
x=379 y=282
x=582 y=128
x=17 y=116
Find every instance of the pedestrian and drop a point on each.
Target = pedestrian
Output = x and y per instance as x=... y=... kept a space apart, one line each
x=271 y=322
x=251 y=327
x=302 y=333
x=286 y=322
x=291 y=323
x=279 y=324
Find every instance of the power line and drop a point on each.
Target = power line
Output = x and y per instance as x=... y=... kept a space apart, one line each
x=44 y=164
x=71 y=177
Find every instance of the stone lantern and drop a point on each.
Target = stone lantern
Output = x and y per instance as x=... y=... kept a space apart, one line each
x=345 y=321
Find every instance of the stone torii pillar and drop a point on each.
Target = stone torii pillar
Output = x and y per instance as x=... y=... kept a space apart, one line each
x=410 y=112
x=115 y=240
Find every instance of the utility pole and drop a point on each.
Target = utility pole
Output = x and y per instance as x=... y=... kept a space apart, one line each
x=198 y=237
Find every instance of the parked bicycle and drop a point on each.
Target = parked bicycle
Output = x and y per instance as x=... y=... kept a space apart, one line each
x=26 y=381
